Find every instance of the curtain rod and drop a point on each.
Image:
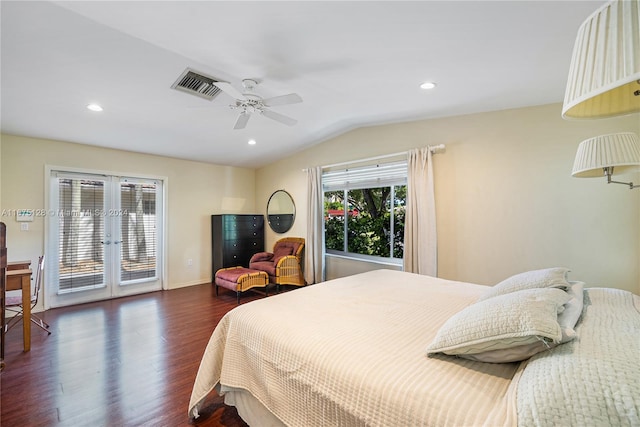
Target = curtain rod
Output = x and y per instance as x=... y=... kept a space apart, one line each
x=432 y=148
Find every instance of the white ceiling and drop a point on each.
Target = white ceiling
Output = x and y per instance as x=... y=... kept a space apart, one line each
x=354 y=63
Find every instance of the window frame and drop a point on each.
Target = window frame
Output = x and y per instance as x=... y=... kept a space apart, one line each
x=397 y=177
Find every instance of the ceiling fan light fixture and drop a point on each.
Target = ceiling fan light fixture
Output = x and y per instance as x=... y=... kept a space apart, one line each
x=428 y=85
x=251 y=142
x=250 y=103
x=94 y=107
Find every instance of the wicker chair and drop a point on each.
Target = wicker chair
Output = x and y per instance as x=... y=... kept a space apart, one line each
x=284 y=264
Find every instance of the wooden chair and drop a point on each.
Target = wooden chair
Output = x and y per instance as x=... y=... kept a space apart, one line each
x=15 y=303
x=284 y=264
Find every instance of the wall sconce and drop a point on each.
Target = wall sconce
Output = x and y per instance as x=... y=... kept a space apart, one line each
x=604 y=77
x=603 y=155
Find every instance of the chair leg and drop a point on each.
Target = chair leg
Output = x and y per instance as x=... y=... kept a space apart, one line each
x=35 y=319
x=12 y=322
x=41 y=324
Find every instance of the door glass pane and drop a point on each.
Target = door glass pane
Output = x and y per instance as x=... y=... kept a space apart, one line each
x=81 y=227
x=138 y=231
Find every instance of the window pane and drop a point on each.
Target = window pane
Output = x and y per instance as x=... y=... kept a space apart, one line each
x=334 y=220
x=369 y=229
x=369 y=221
x=398 y=220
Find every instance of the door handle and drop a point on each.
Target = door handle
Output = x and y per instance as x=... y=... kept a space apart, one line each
x=115 y=242
x=108 y=242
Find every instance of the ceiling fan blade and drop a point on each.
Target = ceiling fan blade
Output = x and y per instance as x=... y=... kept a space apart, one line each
x=279 y=117
x=230 y=90
x=242 y=120
x=292 y=98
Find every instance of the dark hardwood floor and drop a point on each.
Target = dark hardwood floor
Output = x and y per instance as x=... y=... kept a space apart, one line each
x=125 y=362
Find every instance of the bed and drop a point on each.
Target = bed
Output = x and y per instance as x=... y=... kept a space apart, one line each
x=354 y=352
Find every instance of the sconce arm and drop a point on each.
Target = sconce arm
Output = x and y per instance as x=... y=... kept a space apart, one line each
x=608 y=172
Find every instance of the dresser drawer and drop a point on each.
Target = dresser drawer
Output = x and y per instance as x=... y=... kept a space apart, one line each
x=242 y=222
x=246 y=244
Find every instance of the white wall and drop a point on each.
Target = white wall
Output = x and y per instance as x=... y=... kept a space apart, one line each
x=195 y=192
x=506 y=201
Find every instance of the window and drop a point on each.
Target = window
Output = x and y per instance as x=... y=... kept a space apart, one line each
x=364 y=211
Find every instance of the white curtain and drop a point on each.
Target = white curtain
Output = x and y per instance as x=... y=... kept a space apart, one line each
x=420 y=240
x=314 y=249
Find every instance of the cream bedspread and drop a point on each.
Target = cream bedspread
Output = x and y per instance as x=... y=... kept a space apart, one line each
x=593 y=380
x=351 y=352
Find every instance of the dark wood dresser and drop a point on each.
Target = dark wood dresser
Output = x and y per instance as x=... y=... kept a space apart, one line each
x=234 y=239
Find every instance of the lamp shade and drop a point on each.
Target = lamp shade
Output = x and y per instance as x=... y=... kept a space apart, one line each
x=620 y=150
x=604 y=76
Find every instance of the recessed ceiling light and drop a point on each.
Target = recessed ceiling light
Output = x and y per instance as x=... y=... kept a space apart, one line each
x=427 y=85
x=94 y=107
x=252 y=142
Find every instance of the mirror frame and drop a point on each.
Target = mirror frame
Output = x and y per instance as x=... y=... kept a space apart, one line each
x=281 y=222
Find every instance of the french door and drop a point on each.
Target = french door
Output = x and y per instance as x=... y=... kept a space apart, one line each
x=104 y=237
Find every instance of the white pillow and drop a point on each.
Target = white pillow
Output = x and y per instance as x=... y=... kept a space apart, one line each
x=572 y=311
x=516 y=319
x=567 y=319
x=512 y=354
x=555 y=277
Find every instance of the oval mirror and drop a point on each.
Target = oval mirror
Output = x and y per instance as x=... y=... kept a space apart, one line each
x=281 y=211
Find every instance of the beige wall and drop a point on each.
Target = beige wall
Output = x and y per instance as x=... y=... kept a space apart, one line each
x=505 y=198
x=195 y=191
x=506 y=201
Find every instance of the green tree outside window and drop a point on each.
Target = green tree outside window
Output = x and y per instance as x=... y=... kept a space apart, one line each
x=371 y=219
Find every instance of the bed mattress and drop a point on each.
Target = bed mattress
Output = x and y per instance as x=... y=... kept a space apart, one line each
x=351 y=352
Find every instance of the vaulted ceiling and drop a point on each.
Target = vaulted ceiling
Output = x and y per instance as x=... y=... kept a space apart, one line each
x=354 y=64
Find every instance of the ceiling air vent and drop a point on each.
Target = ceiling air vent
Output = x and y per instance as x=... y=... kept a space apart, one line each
x=197 y=84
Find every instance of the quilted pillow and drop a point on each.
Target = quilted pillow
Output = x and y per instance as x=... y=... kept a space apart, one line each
x=567 y=319
x=511 y=354
x=572 y=311
x=280 y=252
x=527 y=319
x=555 y=277
x=261 y=256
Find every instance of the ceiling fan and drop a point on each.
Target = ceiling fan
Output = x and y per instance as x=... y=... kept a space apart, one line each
x=249 y=102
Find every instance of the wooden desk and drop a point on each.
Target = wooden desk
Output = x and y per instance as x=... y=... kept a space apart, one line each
x=21 y=279
x=18 y=265
x=3 y=278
